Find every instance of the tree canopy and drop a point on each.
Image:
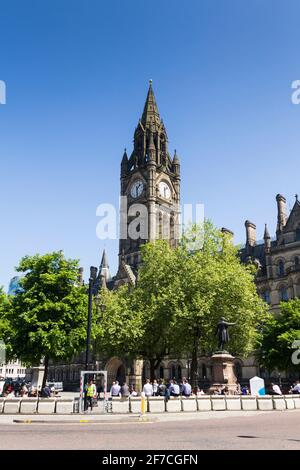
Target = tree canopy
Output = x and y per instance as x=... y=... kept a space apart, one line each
x=5 y=306
x=279 y=332
x=179 y=298
x=48 y=315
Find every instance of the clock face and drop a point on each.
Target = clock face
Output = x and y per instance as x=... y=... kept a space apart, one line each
x=164 y=190
x=137 y=188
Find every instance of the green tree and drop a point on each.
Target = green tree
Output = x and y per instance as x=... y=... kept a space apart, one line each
x=48 y=316
x=138 y=321
x=5 y=306
x=215 y=284
x=118 y=329
x=275 y=345
x=179 y=298
x=157 y=297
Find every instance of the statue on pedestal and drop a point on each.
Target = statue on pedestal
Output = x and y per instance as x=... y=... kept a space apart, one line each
x=222 y=333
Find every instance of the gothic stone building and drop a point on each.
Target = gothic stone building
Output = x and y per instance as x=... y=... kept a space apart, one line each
x=150 y=178
x=278 y=259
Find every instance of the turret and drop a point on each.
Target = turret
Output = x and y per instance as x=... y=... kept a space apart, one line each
x=80 y=277
x=124 y=163
x=104 y=267
x=227 y=232
x=281 y=212
x=250 y=236
x=176 y=164
x=151 y=148
x=267 y=240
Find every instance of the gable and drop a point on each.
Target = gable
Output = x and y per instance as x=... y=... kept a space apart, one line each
x=293 y=221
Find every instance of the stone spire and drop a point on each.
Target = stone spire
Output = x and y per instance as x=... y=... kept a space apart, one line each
x=176 y=163
x=150 y=115
x=266 y=234
x=104 y=267
x=267 y=239
x=151 y=147
x=125 y=158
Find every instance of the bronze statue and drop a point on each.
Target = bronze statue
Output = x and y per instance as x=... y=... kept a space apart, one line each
x=222 y=333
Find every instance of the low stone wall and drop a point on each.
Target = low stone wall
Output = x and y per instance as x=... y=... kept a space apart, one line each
x=120 y=405
x=155 y=404
x=28 y=406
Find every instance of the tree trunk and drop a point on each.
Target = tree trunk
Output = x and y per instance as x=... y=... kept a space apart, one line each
x=46 y=364
x=152 y=369
x=194 y=367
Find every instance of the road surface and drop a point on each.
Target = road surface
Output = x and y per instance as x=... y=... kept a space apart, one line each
x=266 y=430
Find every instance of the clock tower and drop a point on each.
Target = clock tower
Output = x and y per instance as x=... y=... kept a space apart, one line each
x=150 y=187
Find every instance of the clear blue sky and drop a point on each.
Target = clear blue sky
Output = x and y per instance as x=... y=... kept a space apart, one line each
x=77 y=76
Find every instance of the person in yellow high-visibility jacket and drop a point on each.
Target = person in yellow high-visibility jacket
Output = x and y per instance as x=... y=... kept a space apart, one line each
x=90 y=394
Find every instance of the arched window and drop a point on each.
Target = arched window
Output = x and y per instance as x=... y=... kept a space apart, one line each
x=266 y=296
x=160 y=226
x=296 y=261
x=298 y=234
x=175 y=372
x=284 y=294
x=203 y=371
x=165 y=226
x=172 y=232
x=281 y=268
x=161 y=372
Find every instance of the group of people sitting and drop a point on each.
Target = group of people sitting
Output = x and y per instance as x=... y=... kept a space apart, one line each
x=18 y=388
x=156 y=388
x=294 y=389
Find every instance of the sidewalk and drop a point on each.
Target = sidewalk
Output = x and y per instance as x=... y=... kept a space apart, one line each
x=126 y=418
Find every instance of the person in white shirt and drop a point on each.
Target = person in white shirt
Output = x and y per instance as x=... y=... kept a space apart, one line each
x=296 y=388
x=174 y=389
x=133 y=392
x=186 y=388
x=115 y=389
x=148 y=389
x=155 y=388
x=276 y=389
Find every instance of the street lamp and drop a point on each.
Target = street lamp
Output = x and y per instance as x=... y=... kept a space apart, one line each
x=93 y=275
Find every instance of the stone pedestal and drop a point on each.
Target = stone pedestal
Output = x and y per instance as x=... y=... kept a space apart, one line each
x=223 y=374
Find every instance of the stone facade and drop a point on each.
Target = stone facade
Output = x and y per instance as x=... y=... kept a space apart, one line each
x=150 y=178
x=278 y=259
